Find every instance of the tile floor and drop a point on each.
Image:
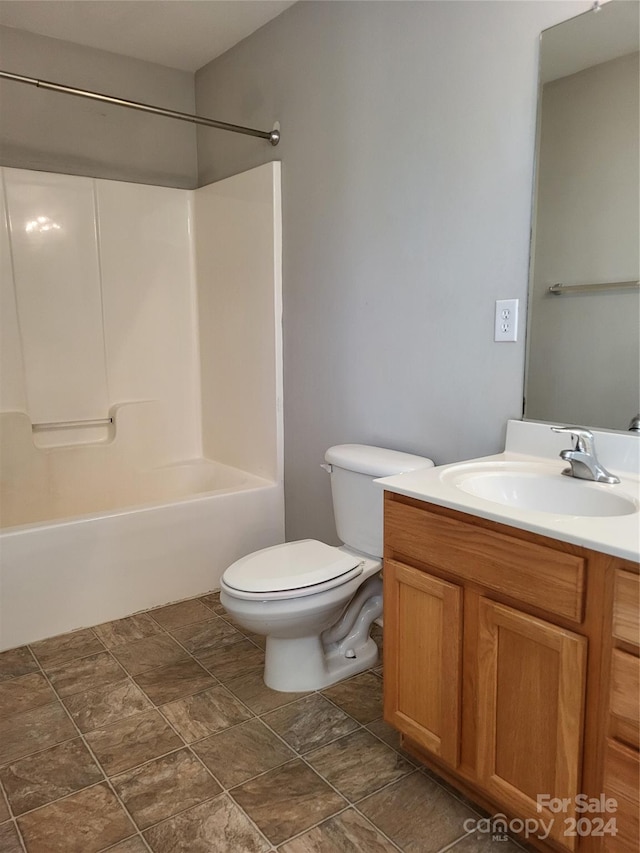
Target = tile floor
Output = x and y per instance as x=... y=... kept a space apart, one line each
x=157 y=733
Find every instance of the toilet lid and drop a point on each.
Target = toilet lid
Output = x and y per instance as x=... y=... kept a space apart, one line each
x=294 y=565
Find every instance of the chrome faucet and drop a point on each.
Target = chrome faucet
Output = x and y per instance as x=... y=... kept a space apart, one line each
x=582 y=459
x=634 y=426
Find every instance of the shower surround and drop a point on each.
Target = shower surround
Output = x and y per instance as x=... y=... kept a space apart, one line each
x=140 y=393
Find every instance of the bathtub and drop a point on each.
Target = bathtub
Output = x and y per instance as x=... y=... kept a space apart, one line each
x=168 y=535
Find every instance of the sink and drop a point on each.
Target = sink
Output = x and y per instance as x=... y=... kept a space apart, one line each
x=548 y=492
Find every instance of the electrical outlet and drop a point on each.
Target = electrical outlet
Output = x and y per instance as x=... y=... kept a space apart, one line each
x=506 y=323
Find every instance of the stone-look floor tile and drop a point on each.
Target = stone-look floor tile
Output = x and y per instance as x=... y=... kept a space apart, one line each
x=252 y=690
x=183 y=613
x=203 y=637
x=258 y=640
x=232 y=661
x=24 y=693
x=212 y=601
x=85 y=822
x=66 y=647
x=126 y=630
x=217 y=826
x=228 y=618
x=49 y=775
x=133 y=741
x=167 y=683
x=287 y=800
x=86 y=674
x=4 y=808
x=9 y=839
x=309 y=723
x=16 y=662
x=195 y=717
x=347 y=832
x=358 y=764
x=23 y=734
x=243 y=752
x=378 y=671
x=416 y=814
x=391 y=737
x=131 y=845
x=431 y=774
x=147 y=654
x=164 y=787
x=360 y=696
x=94 y=709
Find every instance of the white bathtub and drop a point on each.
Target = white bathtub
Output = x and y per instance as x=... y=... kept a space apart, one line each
x=169 y=536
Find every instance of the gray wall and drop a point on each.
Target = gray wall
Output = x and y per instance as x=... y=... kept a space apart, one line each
x=407 y=152
x=52 y=132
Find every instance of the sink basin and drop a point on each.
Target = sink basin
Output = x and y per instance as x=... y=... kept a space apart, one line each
x=545 y=492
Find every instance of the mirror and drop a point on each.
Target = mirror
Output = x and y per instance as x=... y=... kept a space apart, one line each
x=583 y=343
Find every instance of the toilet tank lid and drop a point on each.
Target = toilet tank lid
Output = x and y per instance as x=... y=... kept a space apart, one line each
x=374 y=461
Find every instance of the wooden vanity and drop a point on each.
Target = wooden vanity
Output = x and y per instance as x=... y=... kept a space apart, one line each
x=512 y=669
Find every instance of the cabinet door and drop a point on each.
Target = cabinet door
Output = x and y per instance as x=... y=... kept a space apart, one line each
x=422 y=658
x=531 y=682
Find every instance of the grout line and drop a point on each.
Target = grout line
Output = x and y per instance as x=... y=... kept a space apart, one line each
x=457 y=841
x=189 y=746
x=81 y=656
x=12 y=817
x=303 y=758
x=98 y=765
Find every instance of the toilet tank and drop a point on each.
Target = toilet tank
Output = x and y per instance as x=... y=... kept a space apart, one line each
x=357 y=500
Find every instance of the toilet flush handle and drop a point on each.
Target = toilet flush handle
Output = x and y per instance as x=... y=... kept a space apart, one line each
x=328 y=468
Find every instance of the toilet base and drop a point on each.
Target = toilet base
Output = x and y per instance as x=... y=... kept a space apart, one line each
x=296 y=666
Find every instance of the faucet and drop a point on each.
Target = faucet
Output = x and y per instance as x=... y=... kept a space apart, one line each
x=582 y=459
x=634 y=426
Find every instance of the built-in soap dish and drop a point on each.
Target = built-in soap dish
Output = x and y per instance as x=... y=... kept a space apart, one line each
x=64 y=433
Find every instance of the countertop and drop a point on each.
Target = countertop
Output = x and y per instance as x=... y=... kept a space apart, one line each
x=616 y=535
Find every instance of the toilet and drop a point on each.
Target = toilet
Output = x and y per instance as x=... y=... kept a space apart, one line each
x=313 y=602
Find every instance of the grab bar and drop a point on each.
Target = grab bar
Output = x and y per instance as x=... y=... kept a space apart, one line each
x=567 y=289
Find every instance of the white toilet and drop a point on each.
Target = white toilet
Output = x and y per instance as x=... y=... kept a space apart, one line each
x=314 y=602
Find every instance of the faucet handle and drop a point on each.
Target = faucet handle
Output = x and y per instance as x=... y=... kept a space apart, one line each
x=582 y=435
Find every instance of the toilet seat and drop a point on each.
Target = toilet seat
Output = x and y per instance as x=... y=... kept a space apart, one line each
x=291 y=570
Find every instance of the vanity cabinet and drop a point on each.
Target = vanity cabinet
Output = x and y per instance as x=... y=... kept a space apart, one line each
x=495 y=660
x=621 y=760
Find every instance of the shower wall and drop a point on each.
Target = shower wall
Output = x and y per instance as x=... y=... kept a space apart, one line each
x=99 y=320
x=237 y=245
x=98 y=304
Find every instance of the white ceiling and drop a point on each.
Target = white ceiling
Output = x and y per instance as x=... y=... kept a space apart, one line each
x=183 y=34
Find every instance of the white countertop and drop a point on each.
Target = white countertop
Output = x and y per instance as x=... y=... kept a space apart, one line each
x=618 y=535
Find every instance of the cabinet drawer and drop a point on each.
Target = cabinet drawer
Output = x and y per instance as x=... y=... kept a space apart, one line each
x=621 y=767
x=535 y=574
x=626 y=607
x=625 y=696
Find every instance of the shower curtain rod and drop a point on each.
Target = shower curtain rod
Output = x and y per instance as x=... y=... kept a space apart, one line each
x=273 y=136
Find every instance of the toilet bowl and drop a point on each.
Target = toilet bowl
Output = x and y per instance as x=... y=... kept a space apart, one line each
x=301 y=606
x=313 y=602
